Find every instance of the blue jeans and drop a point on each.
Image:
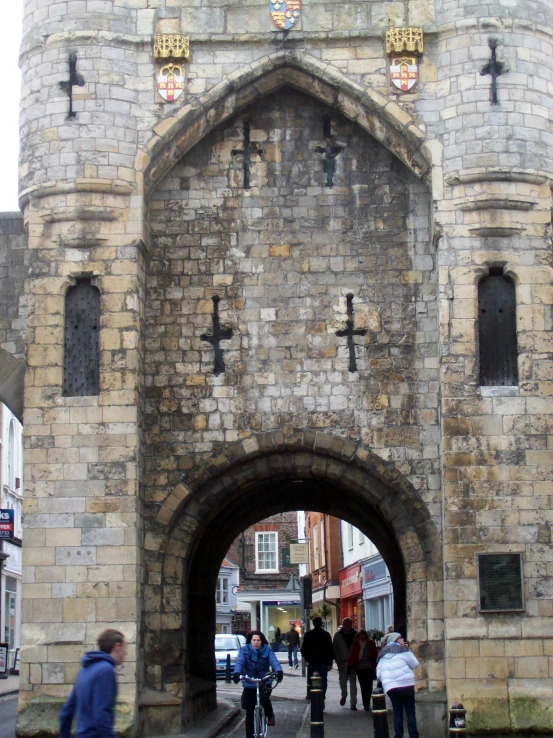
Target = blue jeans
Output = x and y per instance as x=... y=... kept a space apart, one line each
x=322 y=670
x=292 y=650
x=403 y=698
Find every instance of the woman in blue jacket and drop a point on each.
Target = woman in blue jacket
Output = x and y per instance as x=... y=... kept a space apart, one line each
x=255 y=660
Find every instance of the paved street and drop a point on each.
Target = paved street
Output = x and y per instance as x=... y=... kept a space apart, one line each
x=8 y=710
x=290 y=703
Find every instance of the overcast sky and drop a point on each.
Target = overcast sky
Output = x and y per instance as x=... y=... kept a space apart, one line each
x=10 y=83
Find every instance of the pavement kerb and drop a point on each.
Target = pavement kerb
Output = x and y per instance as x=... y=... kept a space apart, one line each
x=213 y=723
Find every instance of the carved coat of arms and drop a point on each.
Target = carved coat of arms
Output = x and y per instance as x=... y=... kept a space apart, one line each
x=170 y=82
x=404 y=72
x=285 y=13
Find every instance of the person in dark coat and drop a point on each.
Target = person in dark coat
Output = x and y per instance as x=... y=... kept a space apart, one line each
x=363 y=659
x=92 y=699
x=255 y=660
x=318 y=651
x=293 y=641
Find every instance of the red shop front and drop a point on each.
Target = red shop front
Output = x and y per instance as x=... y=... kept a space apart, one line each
x=351 y=592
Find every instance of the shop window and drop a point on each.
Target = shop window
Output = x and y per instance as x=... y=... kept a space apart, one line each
x=266 y=547
x=497 y=330
x=10 y=607
x=81 y=363
x=221 y=595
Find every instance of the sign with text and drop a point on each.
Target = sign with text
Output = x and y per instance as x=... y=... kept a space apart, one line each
x=350 y=580
x=7 y=523
x=299 y=553
x=4 y=650
x=374 y=572
x=500 y=582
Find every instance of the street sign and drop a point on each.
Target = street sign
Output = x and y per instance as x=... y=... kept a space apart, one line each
x=299 y=553
x=7 y=524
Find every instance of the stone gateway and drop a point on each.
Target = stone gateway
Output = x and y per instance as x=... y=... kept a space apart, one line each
x=311 y=289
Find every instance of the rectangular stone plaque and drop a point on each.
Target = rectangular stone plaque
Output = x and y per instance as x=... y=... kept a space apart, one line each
x=500 y=582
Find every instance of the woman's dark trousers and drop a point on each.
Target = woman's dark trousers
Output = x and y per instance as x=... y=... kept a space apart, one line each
x=366 y=678
x=403 y=698
x=249 y=701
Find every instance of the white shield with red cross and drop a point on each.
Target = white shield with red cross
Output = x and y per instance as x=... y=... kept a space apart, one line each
x=170 y=82
x=404 y=72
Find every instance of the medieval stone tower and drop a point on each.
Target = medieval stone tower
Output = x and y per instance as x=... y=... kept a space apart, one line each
x=301 y=268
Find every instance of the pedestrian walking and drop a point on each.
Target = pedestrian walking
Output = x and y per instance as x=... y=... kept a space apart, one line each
x=255 y=660
x=395 y=669
x=318 y=651
x=363 y=660
x=293 y=641
x=92 y=699
x=343 y=643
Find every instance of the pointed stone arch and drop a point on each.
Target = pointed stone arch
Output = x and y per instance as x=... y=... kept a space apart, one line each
x=386 y=121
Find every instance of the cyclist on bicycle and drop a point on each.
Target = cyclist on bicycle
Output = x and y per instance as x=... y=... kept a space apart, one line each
x=255 y=659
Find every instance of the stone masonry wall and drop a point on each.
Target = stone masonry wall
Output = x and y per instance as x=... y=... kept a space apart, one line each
x=14 y=259
x=282 y=257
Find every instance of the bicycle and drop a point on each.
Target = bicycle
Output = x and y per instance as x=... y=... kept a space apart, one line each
x=259 y=717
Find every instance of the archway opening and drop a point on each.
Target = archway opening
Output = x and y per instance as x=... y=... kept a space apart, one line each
x=257 y=502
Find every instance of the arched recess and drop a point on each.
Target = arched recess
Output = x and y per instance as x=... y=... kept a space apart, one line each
x=386 y=121
x=259 y=477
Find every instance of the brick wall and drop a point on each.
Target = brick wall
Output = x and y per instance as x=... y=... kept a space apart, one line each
x=243 y=552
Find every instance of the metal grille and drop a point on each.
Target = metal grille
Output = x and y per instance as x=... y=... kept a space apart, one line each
x=497 y=331
x=81 y=340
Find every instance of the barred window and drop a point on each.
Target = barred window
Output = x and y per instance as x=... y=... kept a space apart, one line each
x=266 y=546
x=81 y=363
x=497 y=330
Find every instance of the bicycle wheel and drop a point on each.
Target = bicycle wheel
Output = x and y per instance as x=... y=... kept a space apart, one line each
x=259 y=723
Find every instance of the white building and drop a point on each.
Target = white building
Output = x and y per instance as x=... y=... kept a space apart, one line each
x=11 y=488
x=226 y=595
x=377 y=594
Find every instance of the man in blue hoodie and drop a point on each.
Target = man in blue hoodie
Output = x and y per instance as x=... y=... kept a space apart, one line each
x=92 y=699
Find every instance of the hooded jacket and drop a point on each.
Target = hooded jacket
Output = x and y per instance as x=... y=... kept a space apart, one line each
x=395 y=667
x=92 y=699
x=248 y=665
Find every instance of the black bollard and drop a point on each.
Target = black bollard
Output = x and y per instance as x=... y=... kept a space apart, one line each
x=457 y=720
x=227 y=670
x=380 y=714
x=317 y=700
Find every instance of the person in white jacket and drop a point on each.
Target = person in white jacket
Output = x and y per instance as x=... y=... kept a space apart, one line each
x=395 y=669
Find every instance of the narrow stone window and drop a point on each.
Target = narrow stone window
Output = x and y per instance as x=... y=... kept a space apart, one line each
x=497 y=330
x=81 y=362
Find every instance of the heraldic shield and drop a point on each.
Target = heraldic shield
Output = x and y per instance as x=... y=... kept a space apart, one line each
x=170 y=82
x=404 y=72
x=285 y=13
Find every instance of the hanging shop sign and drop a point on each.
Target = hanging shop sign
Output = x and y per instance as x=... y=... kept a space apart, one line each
x=299 y=553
